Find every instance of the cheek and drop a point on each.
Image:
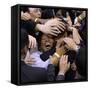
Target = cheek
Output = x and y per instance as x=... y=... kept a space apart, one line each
x=36 y=15
x=33 y=14
x=51 y=42
x=42 y=44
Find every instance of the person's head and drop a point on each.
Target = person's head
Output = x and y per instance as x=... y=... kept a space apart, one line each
x=35 y=12
x=46 y=42
x=24 y=43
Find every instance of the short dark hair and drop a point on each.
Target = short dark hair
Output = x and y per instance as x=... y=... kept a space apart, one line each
x=24 y=38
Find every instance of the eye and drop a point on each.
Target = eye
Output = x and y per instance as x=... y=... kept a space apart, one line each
x=43 y=40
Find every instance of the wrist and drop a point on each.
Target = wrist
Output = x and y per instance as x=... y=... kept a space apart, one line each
x=61 y=73
x=53 y=60
x=57 y=55
x=36 y=19
x=39 y=27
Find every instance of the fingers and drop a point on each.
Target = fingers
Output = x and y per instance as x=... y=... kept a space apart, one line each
x=60 y=25
x=25 y=16
x=64 y=58
x=52 y=33
x=76 y=36
x=66 y=40
x=55 y=29
x=67 y=47
x=29 y=43
x=30 y=61
x=32 y=42
x=64 y=64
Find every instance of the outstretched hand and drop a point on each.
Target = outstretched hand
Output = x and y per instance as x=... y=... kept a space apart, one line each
x=64 y=65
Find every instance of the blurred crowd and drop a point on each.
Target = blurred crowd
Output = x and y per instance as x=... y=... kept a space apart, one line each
x=53 y=44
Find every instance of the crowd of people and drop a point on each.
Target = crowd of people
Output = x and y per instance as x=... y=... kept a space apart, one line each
x=53 y=44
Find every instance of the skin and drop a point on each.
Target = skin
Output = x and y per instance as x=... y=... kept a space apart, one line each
x=35 y=12
x=47 y=42
x=64 y=65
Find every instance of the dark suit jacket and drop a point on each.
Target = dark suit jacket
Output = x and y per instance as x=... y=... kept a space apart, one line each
x=32 y=74
x=35 y=74
x=29 y=26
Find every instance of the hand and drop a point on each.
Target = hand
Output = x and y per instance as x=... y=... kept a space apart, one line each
x=25 y=16
x=70 y=44
x=64 y=65
x=60 y=42
x=32 y=42
x=56 y=22
x=76 y=36
x=53 y=59
x=69 y=20
x=46 y=29
x=28 y=59
x=53 y=27
x=60 y=51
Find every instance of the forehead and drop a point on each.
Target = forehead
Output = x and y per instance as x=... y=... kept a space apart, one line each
x=47 y=36
x=34 y=9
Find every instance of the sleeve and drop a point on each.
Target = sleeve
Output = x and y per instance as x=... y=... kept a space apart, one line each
x=51 y=72
x=60 y=77
x=32 y=74
x=29 y=26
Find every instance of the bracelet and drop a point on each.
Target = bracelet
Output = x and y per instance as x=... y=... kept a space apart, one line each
x=57 y=55
x=36 y=19
x=80 y=17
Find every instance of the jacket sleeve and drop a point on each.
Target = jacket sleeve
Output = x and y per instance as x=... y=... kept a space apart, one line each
x=29 y=26
x=60 y=77
x=51 y=72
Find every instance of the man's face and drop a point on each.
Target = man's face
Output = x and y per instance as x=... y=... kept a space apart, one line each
x=47 y=42
x=35 y=12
